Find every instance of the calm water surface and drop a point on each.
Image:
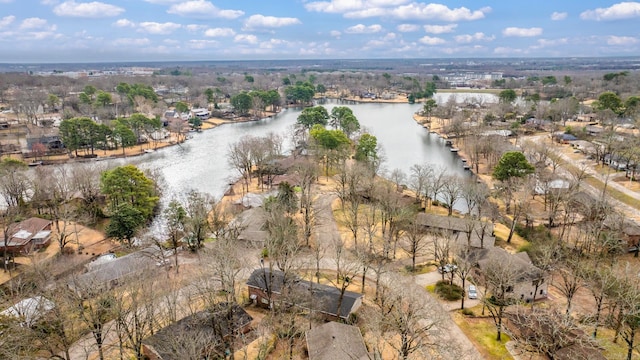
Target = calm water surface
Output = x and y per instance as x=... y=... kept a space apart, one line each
x=201 y=163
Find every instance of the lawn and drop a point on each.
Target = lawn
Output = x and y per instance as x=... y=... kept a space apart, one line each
x=618 y=195
x=482 y=332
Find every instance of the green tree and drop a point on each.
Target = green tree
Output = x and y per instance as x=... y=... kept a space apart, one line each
x=125 y=222
x=611 y=101
x=249 y=79
x=242 y=103
x=182 y=107
x=300 y=93
x=320 y=88
x=195 y=122
x=428 y=108
x=331 y=144
x=507 y=96
x=366 y=150
x=512 y=164
x=549 y=80
x=84 y=98
x=52 y=101
x=210 y=95
x=312 y=116
x=342 y=117
x=286 y=81
x=123 y=134
x=128 y=185
x=103 y=99
x=90 y=90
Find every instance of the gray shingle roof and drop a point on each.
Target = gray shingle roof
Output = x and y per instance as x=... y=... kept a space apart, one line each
x=333 y=341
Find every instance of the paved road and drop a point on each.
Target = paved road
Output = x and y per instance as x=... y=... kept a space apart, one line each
x=629 y=211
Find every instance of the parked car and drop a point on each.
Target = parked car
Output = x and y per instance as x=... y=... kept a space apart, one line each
x=473 y=292
x=447 y=268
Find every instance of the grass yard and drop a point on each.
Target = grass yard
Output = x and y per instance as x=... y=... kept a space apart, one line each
x=482 y=332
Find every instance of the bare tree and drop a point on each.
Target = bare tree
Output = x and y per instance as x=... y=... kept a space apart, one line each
x=451 y=192
x=570 y=280
x=500 y=276
x=416 y=241
x=405 y=313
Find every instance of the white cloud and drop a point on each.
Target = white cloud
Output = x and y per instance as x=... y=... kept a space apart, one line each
x=428 y=40
x=342 y=6
x=522 y=32
x=195 y=27
x=34 y=23
x=401 y=9
x=47 y=2
x=556 y=16
x=155 y=28
x=203 y=9
x=438 y=12
x=469 y=38
x=335 y=33
x=407 y=28
x=5 y=1
x=440 y=29
x=162 y=2
x=362 y=29
x=390 y=36
x=623 y=10
x=246 y=38
x=201 y=44
x=261 y=21
x=543 y=43
x=621 y=40
x=124 y=23
x=93 y=9
x=131 y=42
x=219 y=32
x=6 y=21
x=273 y=44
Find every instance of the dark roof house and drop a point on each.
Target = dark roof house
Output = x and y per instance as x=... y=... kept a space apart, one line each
x=201 y=335
x=108 y=273
x=334 y=340
x=326 y=299
x=478 y=233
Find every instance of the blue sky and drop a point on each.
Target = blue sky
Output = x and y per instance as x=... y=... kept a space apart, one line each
x=118 y=30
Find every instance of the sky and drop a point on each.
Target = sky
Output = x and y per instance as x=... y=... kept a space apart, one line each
x=168 y=30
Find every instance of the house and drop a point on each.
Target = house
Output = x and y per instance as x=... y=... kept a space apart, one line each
x=478 y=233
x=203 y=335
x=107 y=274
x=30 y=310
x=201 y=113
x=334 y=340
x=267 y=286
x=530 y=278
x=25 y=236
x=564 y=138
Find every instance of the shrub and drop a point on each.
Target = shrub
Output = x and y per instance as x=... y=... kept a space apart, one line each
x=449 y=292
x=467 y=312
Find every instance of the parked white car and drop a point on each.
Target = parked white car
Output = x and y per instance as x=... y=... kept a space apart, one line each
x=473 y=292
